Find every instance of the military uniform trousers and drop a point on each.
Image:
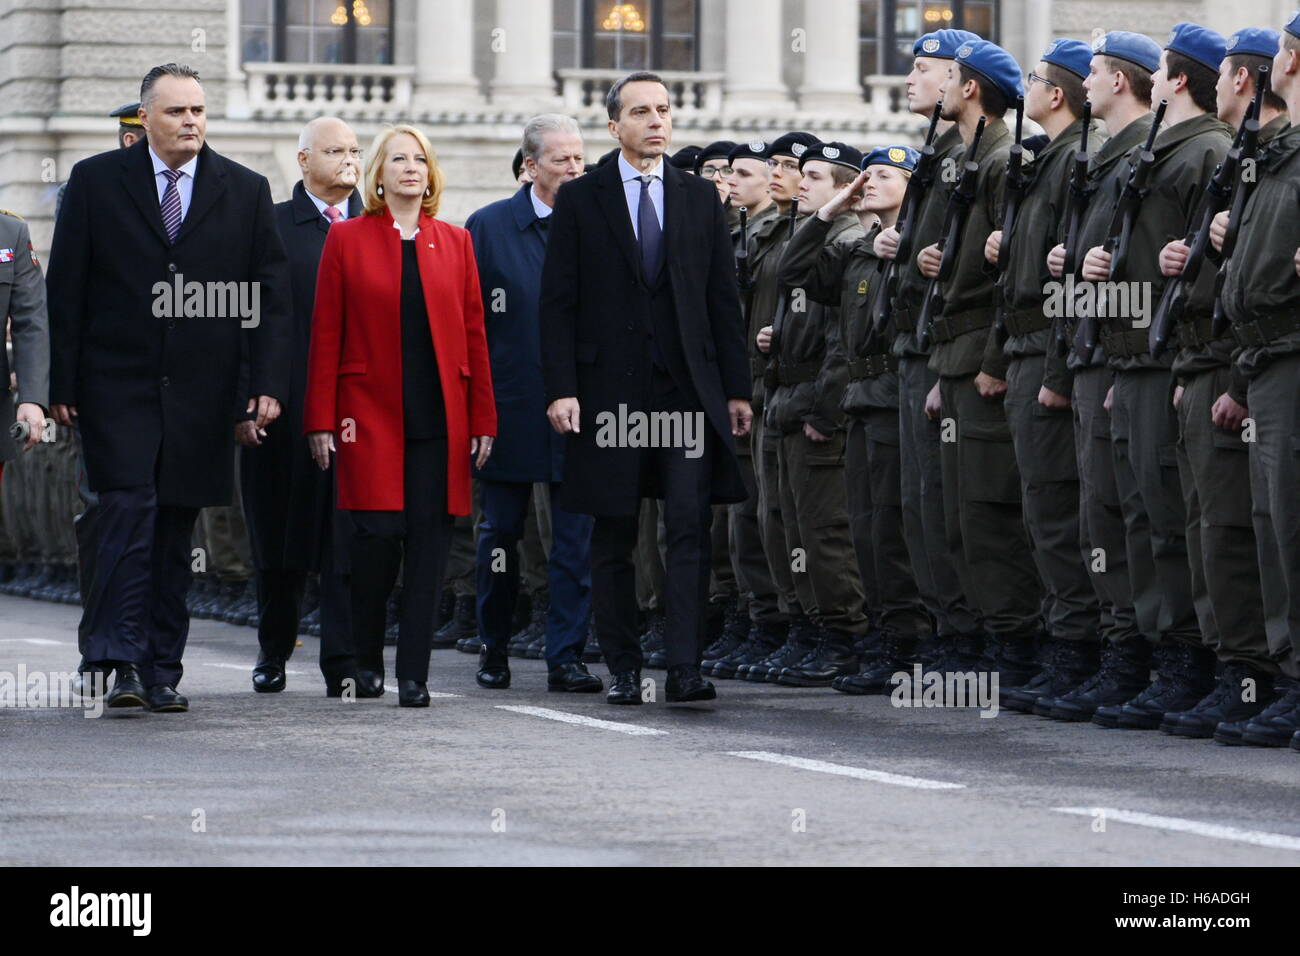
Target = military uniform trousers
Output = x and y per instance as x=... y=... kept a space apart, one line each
x=1274 y=401
x=1049 y=486
x=940 y=573
x=1214 y=467
x=771 y=520
x=1101 y=522
x=746 y=544
x=873 y=482
x=815 y=509
x=1144 y=437
x=983 y=512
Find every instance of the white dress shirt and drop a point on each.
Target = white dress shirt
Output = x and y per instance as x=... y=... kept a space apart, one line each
x=184 y=184
x=540 y=208
x=632 y=190
x=322 y=205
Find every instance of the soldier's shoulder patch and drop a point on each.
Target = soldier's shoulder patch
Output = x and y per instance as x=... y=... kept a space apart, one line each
x=6 y=212
x=32 y=251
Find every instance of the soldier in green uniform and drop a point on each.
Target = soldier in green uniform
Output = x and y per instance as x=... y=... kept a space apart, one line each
x=1262 y=297
x=1213 y=462
x=1143 y=420
x=941 y=574
x=1037 y=399
x=981 y=484
x=1119 y=90
x=844 y=275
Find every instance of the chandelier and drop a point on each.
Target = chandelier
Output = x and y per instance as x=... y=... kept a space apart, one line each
x=623 y=16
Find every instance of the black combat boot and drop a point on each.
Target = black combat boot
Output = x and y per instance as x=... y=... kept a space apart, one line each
x=735 y=630
x=1014 y=659
x=833 y=657
x=535 y=628
x=1186 y=675
x=463 y=623
x=1276 y=724
x=654 y=653
x=876 y=675
x=1067 y=664
x=1125 y=670
x=760 y=641
x=1240 y=693
x=800 y=641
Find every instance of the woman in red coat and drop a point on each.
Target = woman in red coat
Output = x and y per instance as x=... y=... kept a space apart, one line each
x=398 y=386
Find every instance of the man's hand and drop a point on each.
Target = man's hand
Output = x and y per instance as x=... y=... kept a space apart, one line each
x=1056 y=260
x=813 y=434
x=1053 y=400
x=846 y=197
x=742 y=416
x=1219 y=230
x=886 y=244
x=1110 y=398
x=32 y=414
x=1297 y=261
x=764 y=339
x=928 y=260
x=247 y=433
x=933 y=405
x=480 y=447
x=1178 y=395
x=990 y=387
x=1096 y=265
x=64 y=414
x=1173 y=257
x=321 y=444
x=268 y=410
x=1228 y=413
x=563 y=414
x=992 y=245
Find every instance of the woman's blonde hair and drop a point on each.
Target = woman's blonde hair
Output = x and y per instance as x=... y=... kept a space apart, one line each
x=374 y=202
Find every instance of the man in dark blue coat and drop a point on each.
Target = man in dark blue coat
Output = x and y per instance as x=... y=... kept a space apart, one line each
x=510 y=246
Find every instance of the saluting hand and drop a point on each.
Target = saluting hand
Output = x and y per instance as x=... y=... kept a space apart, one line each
x=563 y=414
x=846 y=197
x=321 y=445
x=1173 y=258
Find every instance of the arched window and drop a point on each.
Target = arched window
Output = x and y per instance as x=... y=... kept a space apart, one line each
x=888 y=28
x=644 y=35
x=316 y=31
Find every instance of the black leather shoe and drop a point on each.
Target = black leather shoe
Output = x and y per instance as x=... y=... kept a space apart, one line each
x=370 y=684
x=624 y=688
x=573 y=678
x=163 y=699
x=268 y=676
x=685 y=684
x=128 y=690
x=334 y=684
x=412 y=694
x=493 y=669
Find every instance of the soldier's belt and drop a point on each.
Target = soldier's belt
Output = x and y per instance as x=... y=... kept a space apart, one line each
x=951 y=326
x=1267 y=329
x=873 y=366
x=1124 y=344
x=1026 y=323
x=796 y=373
x=1195 y=334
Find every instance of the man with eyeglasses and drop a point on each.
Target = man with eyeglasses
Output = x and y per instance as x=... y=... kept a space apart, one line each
x=288 y=501
x=712 y=163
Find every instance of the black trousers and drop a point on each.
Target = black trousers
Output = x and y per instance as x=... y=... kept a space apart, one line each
x=688 y=515
x=416 y=538
x=135 y=604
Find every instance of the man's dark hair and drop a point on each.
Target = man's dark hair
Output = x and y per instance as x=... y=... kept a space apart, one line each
x=1201 y=80
x=614 y=98
x=1139 y=79
x=1071 y=87
x=167 y=69
x=1252 y=62
x=842 y=175
x=992 y=101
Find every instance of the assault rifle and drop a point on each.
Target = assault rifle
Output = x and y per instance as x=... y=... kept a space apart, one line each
x=1076 y=207
x=777 y=322
x=1015 y=192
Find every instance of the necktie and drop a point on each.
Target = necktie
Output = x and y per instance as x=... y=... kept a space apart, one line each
x=544 y=226
x=171 y=204
x=333 y=214
x=649 y=232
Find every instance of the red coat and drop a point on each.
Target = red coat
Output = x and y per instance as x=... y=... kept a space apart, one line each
x=354 y=368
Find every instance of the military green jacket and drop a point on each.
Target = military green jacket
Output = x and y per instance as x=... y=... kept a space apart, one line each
x=812 y=364
x=1186 y=156
x=968 y=294
x=1026 y=281
x=766 y=241
x=1261 y=283
x=948 y=148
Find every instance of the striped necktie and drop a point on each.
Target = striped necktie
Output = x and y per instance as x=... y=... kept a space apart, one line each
x=171 y=204
x=332 y=213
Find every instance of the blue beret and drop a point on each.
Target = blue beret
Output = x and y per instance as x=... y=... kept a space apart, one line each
x=904 y=157
x=1260 y=41
x=1293 y=27
x=1136 y=48
x=754 y=149
x=1072 y=55
x=1200 y=43
x=942 y=43
x=839 y=153
x=994 y=64
x=792 y=144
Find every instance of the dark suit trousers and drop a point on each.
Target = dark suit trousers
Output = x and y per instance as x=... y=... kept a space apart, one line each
x=418 y=539
x=688 y=516
x=135 y=608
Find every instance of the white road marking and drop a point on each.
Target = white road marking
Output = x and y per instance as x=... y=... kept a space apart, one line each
x=243 y=667
x=1215 y=831
x=634 y=730
x=859 y=773
x=392 y=689
x=32 y=640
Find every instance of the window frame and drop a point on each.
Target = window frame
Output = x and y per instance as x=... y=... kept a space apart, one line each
x=279 y=34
